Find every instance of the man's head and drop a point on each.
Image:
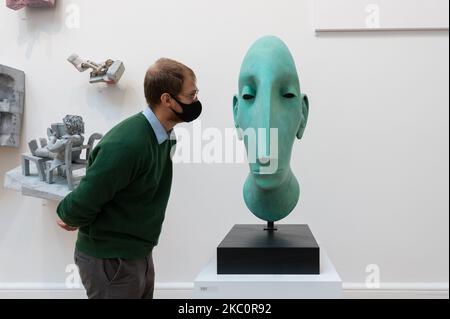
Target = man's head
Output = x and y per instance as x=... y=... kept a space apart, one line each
x=172 y=86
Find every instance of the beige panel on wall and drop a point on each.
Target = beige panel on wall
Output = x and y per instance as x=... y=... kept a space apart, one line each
x=358 y=15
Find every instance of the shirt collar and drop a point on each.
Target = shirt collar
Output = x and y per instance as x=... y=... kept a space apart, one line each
x=158 y=128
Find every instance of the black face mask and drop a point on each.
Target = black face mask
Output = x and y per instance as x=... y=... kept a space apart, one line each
x=190 y=113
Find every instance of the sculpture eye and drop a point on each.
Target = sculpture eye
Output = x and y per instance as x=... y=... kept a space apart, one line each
x=248 y=93
x=289 y=95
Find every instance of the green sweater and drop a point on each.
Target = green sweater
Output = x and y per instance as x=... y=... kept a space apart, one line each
x=120 y=204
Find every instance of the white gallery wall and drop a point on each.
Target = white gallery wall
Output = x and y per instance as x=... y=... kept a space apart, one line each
x=373 y=165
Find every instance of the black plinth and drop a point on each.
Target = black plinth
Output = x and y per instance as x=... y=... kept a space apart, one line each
x=253 y=250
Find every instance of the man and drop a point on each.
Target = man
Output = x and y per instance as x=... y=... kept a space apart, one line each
x=120 y=204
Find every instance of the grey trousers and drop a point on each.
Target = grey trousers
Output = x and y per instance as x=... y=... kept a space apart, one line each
x=116 y=278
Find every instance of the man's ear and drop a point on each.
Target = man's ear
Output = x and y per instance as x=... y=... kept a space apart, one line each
x=305 y=114
x=165 y=99
x=235 y=116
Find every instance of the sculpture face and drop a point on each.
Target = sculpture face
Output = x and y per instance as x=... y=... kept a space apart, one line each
x=270 y=104
x=12 y=95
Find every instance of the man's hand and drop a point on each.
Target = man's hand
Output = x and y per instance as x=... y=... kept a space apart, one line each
x=65 y=226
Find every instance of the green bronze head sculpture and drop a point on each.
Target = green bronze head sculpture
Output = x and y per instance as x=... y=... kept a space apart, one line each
x=270 y=112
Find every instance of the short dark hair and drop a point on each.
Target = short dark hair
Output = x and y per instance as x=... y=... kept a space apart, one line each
x=165 y=76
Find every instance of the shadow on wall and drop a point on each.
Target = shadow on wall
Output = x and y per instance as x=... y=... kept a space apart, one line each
x=9 y=159
x=36 y=22
x=108 y=100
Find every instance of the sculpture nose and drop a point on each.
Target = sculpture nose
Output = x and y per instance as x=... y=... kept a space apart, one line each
x=264 y=130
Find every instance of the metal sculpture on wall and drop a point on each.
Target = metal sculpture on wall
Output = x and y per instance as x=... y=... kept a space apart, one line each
x=12 y=99
x=19 y=4
x=108 y=72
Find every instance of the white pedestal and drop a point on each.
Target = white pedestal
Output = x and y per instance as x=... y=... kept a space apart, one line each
x=327 y=285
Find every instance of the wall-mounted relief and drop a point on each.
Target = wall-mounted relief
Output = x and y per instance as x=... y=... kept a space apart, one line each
x=108 y=72
x=12 y=99
x=19 y=4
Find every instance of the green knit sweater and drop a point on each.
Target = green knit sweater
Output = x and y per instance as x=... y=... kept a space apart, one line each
x=120 y=204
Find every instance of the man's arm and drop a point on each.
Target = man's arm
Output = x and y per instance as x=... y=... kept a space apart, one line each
x=112 y=169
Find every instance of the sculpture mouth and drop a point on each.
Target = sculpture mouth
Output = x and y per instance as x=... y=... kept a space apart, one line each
x=258 y=173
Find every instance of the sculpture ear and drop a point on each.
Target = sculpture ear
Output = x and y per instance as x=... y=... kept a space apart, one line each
x=305 y=113
x=235 y=116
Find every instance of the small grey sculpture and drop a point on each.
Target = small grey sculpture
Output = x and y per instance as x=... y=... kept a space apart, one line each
x=108 y=72
x=72 y=129
x=61 y=152
x=12 y=99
